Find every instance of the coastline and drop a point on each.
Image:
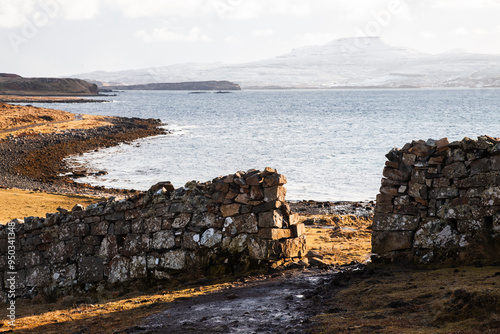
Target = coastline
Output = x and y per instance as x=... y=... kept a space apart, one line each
x=35 y=160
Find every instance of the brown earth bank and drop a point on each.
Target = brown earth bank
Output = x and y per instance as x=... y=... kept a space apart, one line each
x=47 y=99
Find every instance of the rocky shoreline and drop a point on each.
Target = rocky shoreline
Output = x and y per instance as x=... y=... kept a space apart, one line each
x=36 y=161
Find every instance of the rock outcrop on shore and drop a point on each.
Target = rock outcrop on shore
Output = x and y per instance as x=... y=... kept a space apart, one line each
x=11 y=84
x=36 y=161
x=194 y=85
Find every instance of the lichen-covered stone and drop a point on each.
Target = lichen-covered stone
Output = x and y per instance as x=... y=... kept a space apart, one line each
x=138 y=267
x=211 y=238
x=394 y=222
x=175 y=259
x=119 y=269
x=436 y=233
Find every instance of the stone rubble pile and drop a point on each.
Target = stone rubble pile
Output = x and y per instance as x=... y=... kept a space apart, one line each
x=438 y=201
x=231 y=224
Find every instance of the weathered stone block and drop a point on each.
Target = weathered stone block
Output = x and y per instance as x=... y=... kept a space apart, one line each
x=229 y=210
x=135 y=244
x=202 y=220
x=391 y=191
x=109 y=247
x=417 y=190
x=237 y=244
x=272 y=218
x=211 y=238
x=294 y=247
x=495 y=162
x=384 y=242
x=479 y=166
x=242 y=198
x=441 y=183
x=457 y=212
x=32 y=259
x=384 y=199
x=66 y=232
x=163 y=240
x=153 y=224
x=435 y=233
x=267 y=207
x=190 y=240
x=298 y=230
x=469 y=227
x=90 y=269
x=57 y=252
x=444 y=193
x=274 y=180
x=261 y=249
x=254 y=180
x=274 y=233
x=382 y=208
x=396 y=174
x=293 y=219
x=411 y=210
x=138 y=267
x=455 y=170
x=409 y=159
x=480 y=180
x=119 y=269
x=175 y=259
x=100 y=228
x=122 y=227
x=491 y=196
x=394 y=222
x=246 y=223
x=276 y=193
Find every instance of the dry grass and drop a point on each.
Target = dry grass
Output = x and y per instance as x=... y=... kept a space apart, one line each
x=43 y=120
x=446 y=300
x=339 y=239
x=16 y=203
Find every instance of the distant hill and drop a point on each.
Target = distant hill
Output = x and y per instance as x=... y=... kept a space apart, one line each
x=343 y=63
x=12 y=84
x=193 y=85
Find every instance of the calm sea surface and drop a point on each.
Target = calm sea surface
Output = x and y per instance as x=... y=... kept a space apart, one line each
x=329 y=143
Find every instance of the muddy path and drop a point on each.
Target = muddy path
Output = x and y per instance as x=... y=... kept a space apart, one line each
x=278 y=303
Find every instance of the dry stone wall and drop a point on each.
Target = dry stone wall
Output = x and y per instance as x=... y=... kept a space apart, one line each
x=439 y=201
x=231 y=224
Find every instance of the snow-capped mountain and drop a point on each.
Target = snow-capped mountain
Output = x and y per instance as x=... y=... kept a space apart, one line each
x=347 y=62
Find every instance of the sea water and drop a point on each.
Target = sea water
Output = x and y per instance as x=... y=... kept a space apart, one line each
x=330 y=144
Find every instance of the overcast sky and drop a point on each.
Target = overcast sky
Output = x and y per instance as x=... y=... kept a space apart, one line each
x=63 y=37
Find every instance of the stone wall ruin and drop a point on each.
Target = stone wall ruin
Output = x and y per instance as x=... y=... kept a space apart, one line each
x=231 y=224
x=439 y=202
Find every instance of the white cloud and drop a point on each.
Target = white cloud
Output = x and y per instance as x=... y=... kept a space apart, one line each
x=263 y=32
x=15 y=13
x=80 y=9
x=473 y=32
x=232 y=40
x=166 y=34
